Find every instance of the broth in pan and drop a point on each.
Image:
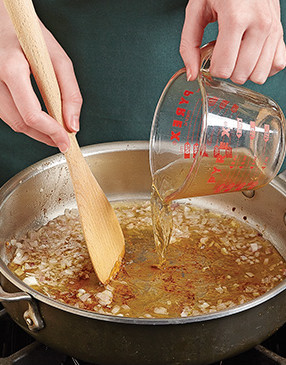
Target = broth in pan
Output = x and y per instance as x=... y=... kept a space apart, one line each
x=213 y=262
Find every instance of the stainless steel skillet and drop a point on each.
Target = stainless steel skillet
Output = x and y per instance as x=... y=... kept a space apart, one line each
x=44 y=190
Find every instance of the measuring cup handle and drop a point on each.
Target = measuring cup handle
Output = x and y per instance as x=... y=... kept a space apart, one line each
x=206 y=54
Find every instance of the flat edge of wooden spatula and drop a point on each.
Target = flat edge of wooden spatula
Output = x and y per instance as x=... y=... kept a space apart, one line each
x=101 y=229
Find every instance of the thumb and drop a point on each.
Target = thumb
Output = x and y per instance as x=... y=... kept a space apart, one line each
x=196 y=19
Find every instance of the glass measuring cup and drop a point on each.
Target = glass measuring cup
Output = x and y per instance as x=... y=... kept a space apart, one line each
x=211 y=136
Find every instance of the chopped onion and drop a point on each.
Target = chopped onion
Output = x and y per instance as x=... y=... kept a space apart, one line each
x=160 y=310
x=31 y=281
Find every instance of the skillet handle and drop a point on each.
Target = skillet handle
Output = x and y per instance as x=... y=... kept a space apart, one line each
x=32 y=315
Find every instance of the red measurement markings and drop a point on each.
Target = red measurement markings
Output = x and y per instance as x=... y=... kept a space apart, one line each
x=213 y=101
x=225 y=130
x=188 y=136
x=222 y=145
x=212 y=179
x=252 y=131
x=242 y=162
x=232 y=164
x=180 y=112
x=196 y=145
x=238 y=177
x=266 y=136
x=195 y=149
x=187 y=146
x=248 y=162
x=262 y=156
x=253 y=164
x=196 y=120
x=217 y=151
x=232 y=167
x=234 y=108
x=243 y=175
x=200 y=124
x=175 y=136
x=239 y=128
x=234 y=186
x=226 y=134
x=244 y=183
x=187 y=118
x=183 y=100
x=265 y=162
x=230 y=178
x=216 y=169
x=233 y=172
x=210 y=111
x=223 y=104
x=203 y=151
x=266 y=133
x=187 y=150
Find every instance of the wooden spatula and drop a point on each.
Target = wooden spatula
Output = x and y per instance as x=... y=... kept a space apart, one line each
x=103 y=235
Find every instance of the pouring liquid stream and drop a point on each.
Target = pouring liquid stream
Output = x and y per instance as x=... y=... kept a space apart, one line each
x=225 y=179
x=162 y=224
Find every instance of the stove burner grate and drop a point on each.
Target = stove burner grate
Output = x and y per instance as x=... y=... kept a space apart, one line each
x=18 y=348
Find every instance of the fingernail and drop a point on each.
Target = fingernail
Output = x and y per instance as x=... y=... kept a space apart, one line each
x=189 y=74
x=74 y=123
x=63 y=148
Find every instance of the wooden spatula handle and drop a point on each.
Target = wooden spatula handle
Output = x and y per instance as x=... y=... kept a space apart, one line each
x=30 y=36
x=29 y=33
x=103 y=234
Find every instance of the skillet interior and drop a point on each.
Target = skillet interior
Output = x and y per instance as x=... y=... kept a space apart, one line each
x=44 y=190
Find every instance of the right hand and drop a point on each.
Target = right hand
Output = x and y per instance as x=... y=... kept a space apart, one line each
x=19 y=105
x=249 y=45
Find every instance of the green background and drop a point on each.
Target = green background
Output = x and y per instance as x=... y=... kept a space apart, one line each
x=124 y=52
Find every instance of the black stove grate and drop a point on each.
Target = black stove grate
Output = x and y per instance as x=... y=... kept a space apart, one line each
x=18 y=348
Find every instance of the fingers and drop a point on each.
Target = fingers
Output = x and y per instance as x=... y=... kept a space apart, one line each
x=196 y=18
x=263 y=66
x=249 y=44
x=19 y=105
x=17 y=80
x=71 y=96
x=9 y=113
x=254 y=51
x=273 y=56
x=70 y=92
x=279 y=61
x=240 y=46
x=262 y=53
x=226 y=49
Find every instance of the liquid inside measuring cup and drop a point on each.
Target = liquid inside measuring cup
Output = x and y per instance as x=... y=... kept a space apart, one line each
x=163 y=180
x=226 y=178
x=210 y=138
